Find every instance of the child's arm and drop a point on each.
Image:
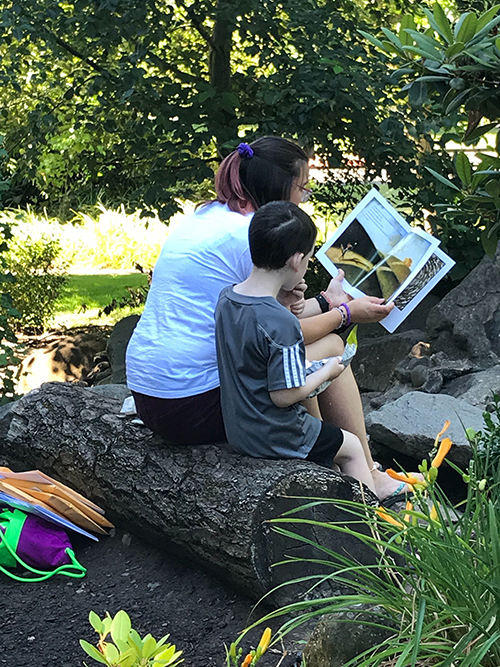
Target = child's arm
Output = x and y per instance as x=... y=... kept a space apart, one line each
x=283 y=398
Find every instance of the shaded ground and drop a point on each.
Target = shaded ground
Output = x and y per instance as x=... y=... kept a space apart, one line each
x=41 y=623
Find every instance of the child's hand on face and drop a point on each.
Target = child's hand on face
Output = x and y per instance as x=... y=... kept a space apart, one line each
x=334 y=367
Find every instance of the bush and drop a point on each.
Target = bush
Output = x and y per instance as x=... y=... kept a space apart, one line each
x=38 y=280
x=435 y=582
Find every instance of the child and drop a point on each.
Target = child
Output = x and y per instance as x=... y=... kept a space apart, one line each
x=261 y=354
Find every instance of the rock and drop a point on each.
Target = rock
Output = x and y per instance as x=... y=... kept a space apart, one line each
x=476 y=388
x=410 y=424
x=117 y=346
x=467 y=320
x=339 y=638
x=65 y=359
x=377 y=358
x=118 y=392
x=203 y=503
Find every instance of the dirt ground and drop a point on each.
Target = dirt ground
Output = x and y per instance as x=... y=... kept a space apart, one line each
x=41 y=623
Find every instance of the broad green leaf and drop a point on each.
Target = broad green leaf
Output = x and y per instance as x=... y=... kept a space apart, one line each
x=484 y=31
x=457 y=101
x=489 y=243
x=373 y=40
x=134 y=639
x=127 y=658
x=427 y=44
x=487 y=17
x=443 y=23
x=106 y=621
x=392 y=38
x=122 y=646
x=407 y=23
x=492 y=187
x=421 y=52
x=121 y=626
x=111 y=652
x=92 y=651
x=479 y=131
x=149 y=647
x=454 y=49
x=497 y=43
x=95 y=622
x=443 y=179
x=162 y=641
x=468 y=28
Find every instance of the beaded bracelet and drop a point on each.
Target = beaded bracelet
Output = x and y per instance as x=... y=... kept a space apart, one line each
x=343 y=317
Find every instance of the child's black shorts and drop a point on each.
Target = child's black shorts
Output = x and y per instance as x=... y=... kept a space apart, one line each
x=330 y=440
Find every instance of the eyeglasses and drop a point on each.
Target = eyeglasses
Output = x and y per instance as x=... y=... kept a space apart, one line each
x=306 y=193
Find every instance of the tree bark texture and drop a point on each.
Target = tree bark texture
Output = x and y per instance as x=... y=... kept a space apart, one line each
x=204 y=503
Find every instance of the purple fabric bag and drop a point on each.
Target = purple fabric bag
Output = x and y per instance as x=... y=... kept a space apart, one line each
x=39 y=546
x=42 y=544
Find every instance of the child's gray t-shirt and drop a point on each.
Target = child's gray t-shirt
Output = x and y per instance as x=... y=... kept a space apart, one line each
x=260 y=349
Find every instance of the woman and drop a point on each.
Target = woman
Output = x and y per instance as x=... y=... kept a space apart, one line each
x=171 y=358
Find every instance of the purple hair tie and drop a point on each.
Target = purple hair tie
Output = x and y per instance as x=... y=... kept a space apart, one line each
x=245 y=150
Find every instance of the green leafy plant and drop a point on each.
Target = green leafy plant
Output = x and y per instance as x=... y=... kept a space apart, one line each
x=452 y=69
x=38 y=280
x=435 y=586
x=121 y=646
x=486 y=444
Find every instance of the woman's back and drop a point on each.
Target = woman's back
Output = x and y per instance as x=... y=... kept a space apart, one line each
x=172 y=351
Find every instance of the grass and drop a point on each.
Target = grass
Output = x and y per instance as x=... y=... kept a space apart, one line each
x=85 y=295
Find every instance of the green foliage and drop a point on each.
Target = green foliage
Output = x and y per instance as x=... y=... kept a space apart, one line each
x=435 y=580
x=125 y=648
x=138 y=101
x=486 y=444
x=451 y=69
x=38 y=281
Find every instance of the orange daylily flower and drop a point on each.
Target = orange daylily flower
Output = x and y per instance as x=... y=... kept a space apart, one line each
x=246 y=662
x=443 y=450
x=387 y=517
x=264 y=641
x=408 y=479
x=446 y=426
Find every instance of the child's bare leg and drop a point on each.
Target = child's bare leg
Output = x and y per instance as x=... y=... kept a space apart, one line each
x=340 y=403
x=352 y=460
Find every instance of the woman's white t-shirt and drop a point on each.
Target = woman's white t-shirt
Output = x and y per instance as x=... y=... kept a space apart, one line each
x=171 y=353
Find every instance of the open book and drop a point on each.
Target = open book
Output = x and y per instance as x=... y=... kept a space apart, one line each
x=383 y=256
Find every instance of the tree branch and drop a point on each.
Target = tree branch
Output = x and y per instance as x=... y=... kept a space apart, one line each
x=197 y=24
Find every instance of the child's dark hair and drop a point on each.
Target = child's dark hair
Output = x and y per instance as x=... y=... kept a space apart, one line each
x=258 y=173
x=279 y=230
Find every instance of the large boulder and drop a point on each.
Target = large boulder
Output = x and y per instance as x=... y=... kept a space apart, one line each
x=466 y=322
x=202 y=502
x=377 y=358
x=410 y=424
x=476 y=388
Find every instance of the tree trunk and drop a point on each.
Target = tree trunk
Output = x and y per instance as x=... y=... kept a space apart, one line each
x=201 y=502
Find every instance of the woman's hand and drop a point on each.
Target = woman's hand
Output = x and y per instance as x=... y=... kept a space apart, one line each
x=369 y=309
x=294 y=299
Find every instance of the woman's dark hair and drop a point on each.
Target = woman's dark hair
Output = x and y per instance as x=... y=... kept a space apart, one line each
x=277 y=231
x=266 y=176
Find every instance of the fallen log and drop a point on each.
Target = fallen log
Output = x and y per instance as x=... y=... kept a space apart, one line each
x=204 y=503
